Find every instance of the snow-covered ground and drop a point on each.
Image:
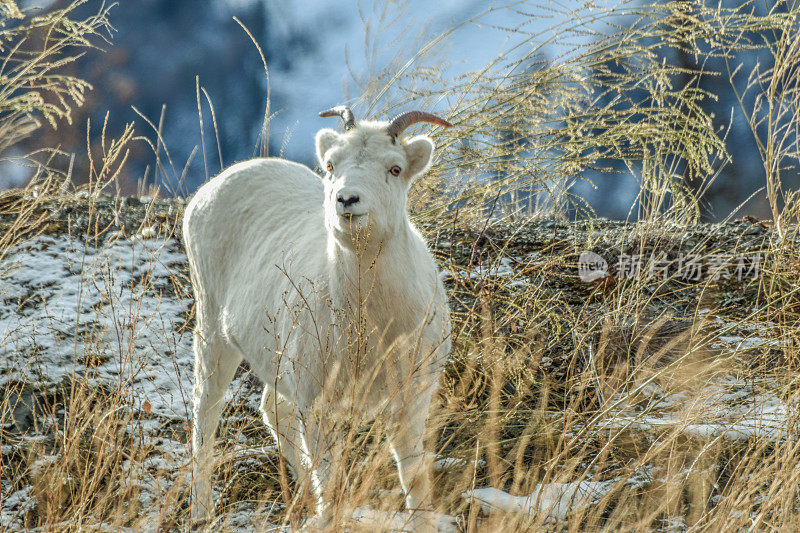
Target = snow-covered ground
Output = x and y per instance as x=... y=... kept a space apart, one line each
x=63 y=298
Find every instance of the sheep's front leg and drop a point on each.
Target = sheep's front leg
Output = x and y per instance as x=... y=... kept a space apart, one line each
x=215 y=365
x=413 y=464
x=318 y=456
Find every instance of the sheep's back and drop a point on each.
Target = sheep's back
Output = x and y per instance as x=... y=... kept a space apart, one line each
x=256 y=241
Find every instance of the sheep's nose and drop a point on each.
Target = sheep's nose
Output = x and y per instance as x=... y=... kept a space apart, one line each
x=348 y=201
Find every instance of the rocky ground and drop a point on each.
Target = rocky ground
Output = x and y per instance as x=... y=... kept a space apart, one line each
x=96 y=290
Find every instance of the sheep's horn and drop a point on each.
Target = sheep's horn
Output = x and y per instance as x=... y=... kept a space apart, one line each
x=412 y=117
x=341 y=111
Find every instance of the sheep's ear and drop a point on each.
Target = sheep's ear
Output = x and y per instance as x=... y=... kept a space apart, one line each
x=325 y=139
x=418 y=155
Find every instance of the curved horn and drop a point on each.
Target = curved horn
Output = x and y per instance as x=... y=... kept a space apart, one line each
x=341 y=111
x=412 y=117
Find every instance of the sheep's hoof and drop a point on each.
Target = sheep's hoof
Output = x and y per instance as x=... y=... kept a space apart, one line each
x=432 y=522
x=200 y=524
x=316 y=523
x=201 y=520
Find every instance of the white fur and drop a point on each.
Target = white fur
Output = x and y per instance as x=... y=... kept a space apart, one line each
x=331 y=313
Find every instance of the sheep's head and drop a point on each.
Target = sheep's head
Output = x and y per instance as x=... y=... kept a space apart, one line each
x=368 y=169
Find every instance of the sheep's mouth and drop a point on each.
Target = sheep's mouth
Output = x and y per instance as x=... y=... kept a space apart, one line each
x=351 y=217
x=351 y=222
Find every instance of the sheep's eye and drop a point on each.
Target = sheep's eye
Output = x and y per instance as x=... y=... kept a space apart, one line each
x=329 y=166
x=395 y=170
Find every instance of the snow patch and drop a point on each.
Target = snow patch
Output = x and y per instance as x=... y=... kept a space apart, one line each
x=555 y=500
x=403 y=521
x=728 y=408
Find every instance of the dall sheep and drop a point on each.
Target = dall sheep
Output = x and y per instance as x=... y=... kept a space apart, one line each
x=327 y=290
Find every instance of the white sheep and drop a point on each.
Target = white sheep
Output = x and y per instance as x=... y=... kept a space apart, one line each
x=327 y=290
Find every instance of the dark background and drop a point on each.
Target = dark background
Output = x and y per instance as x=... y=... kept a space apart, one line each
x=160 y=47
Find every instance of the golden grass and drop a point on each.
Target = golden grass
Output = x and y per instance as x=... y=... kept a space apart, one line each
x=631 y=382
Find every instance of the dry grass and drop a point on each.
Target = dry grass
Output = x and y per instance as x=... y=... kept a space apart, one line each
x=659 y=391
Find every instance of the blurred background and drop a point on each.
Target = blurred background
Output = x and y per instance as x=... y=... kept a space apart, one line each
x=165 y=60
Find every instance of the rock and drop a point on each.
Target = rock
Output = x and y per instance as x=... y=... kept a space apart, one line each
x=17 y=410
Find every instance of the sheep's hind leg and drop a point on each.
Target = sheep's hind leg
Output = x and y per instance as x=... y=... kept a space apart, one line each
x=280 y=417
x=215 y=365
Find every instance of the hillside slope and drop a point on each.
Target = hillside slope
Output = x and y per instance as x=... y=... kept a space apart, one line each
x=96 y=318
